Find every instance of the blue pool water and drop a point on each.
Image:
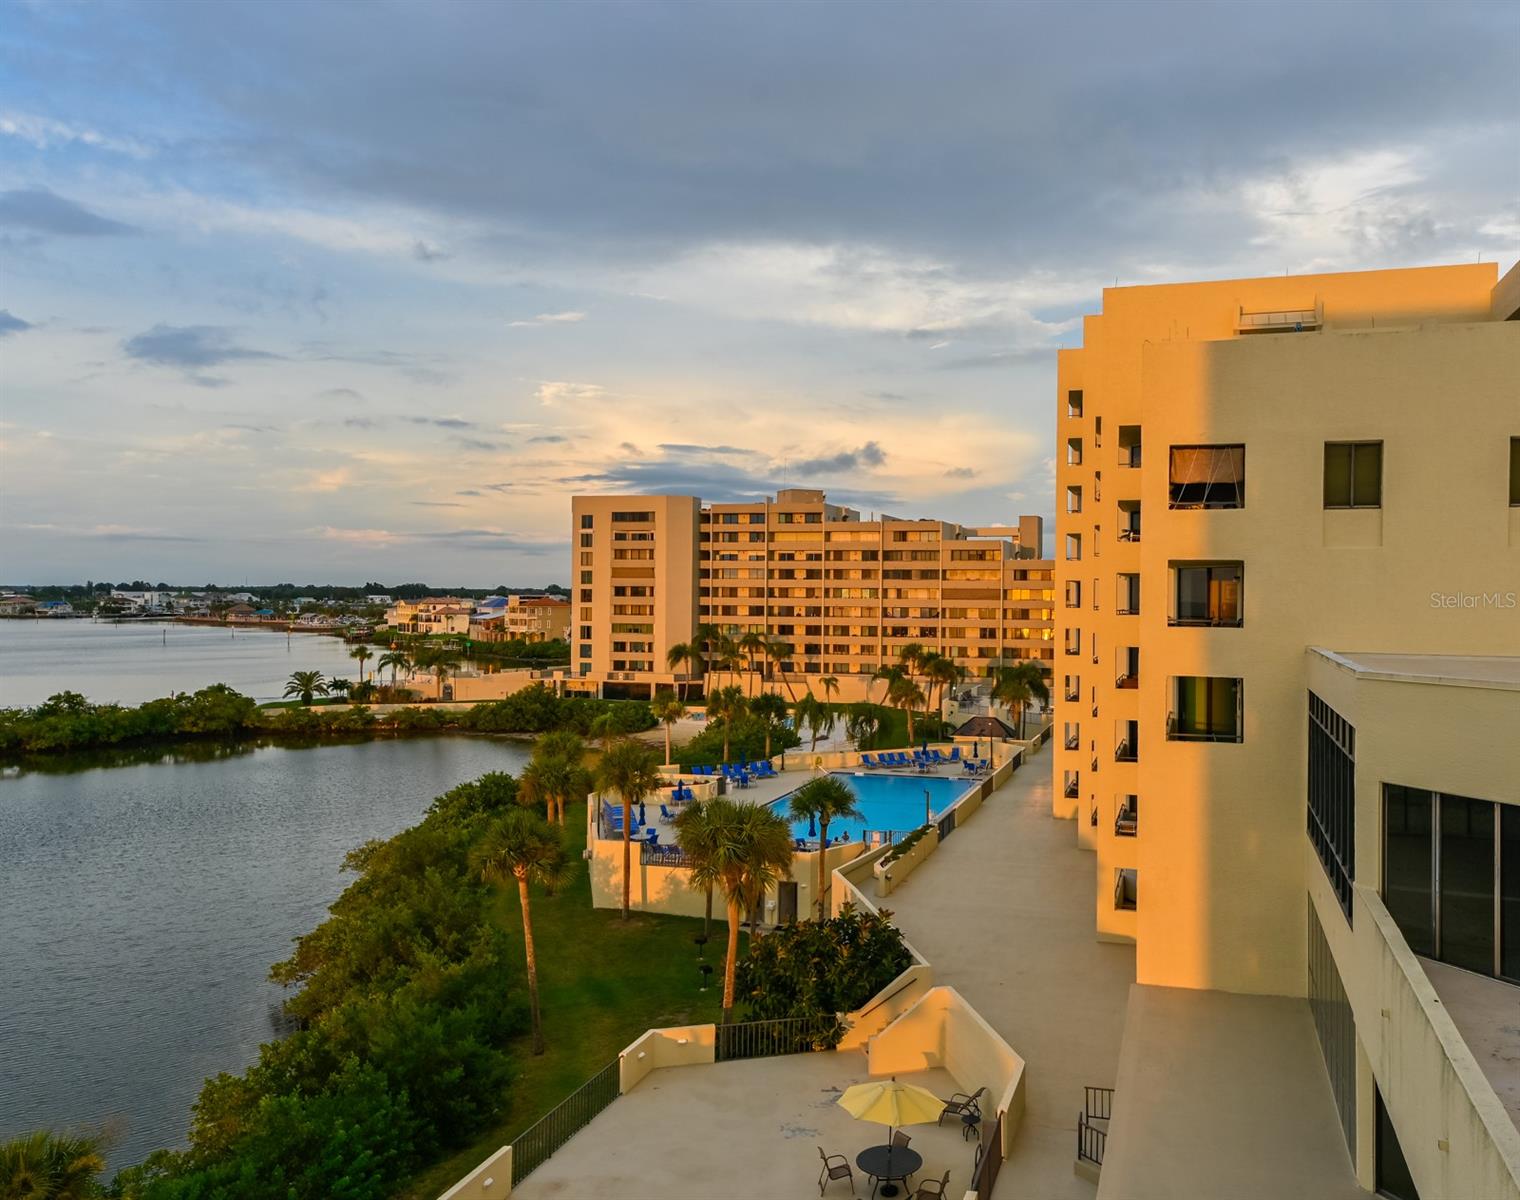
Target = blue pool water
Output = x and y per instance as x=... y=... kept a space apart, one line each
x=888 y=802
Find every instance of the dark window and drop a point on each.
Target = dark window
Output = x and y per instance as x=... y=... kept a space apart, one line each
x=1332 y=796
x=1393 y=1176
x=1209 y=594
x=1353 y=474
x=585 y=520
x=1514 y=471
x=1509 y=890
x=1409 y=864
x=1208 y=477
x=1205 y=708
x=1334 y=1026
x=1467 y=883
x=1074 y=404
x=632 y=518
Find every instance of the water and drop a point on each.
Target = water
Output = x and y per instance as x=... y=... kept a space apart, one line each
x=142 y=906
x=888 y=802
x=143 y=660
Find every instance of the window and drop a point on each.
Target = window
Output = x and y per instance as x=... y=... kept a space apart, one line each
x=1074 y=404
x=1073 y=547
x=1394 y=1178
x=1208 y=593
x=1409 y=864
x=1129 y=445
x=1073 y=593
x=1127 y=816
x=1334 y=1027
x=585 y=520
x=1205 y=708
x=1353 y=474
x=1073 y=452
x=1467 y=883
x=586 y=539
x=1073 y=499
x=632 y=518
x=1128 y=602
x=1514 y=471
x=1126 y=888
x=1332 y=796
x=1208 y=477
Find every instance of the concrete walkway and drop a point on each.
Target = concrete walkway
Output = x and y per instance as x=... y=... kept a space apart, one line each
x=1004 y=911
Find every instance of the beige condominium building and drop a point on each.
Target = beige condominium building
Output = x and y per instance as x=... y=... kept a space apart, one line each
x=845 y=593
x=1288 y=677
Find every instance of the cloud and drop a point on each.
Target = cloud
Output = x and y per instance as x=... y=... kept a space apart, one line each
x=550 y=439
x=960 y=473
x=443 y=422
x=10 y=324
x=44 y=211
x=45 y=133
x=340 y=393
x=434 y=504
x=690 y=448
x=555 y=318
x=553 y=392
x=423 y=252
x=868 y=455
x=189 y=346
x=325 y=481
x=467 y=492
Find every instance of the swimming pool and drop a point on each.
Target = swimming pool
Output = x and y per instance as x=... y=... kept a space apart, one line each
x=888 y=802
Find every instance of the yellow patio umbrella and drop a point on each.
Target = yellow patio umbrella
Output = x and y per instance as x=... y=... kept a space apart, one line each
x=888 y=1102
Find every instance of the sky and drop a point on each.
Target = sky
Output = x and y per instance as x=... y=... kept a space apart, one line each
x=342 y=292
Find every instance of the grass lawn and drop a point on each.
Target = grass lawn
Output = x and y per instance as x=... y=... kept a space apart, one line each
x=603 y=981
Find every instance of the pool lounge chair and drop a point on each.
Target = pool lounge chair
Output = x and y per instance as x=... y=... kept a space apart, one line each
x=955 y=754
x=867 y=761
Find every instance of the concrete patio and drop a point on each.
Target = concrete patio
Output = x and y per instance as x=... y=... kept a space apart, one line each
x=749 y=1128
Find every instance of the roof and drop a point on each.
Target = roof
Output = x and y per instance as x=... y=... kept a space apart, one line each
x=987 y=727
x=545 y=602
x=1457 y=670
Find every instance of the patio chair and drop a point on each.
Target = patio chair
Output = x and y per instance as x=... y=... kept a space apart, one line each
x=665 y=812
x=900 y=1140
x=835 y=1166
x=934 y=1188
x=652 y=836
x=960 y=1104
x=955 y=754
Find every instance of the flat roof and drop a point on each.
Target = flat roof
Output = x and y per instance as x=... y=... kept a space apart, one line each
x=1454 y=670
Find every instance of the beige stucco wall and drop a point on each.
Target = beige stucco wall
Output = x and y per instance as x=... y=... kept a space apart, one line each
x=490 y=1181
x=676 y=1046
x=498 y=685
x=1220 y=904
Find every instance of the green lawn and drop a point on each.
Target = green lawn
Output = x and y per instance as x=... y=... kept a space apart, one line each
x=603 y=981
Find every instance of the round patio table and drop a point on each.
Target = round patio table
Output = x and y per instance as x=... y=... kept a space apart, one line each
x=889 y=1163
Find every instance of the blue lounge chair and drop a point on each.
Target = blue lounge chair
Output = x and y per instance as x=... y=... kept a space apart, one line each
x=955 y=754
x=867 y=761
x=665 y=814
x=652 y=836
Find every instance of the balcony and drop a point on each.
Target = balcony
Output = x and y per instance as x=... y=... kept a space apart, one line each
x=1071 y=789
x=1126 y=752
x=1072 y=742
x=1127 y=819
x=1126 y=888
x=1287 y=320
x=1072 y=694
x=1127 y=681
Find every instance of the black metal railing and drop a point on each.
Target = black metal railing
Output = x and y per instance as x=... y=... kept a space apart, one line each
x=662 y=856
x=767 y=1039
x=535 y=1144
x=1092 y=1124
x=947 y=824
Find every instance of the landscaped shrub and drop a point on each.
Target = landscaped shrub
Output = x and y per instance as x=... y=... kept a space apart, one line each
x=905 y=844
x=818 y=969
x=746 y=742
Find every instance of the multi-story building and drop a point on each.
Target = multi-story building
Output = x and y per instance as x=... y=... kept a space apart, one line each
x=433 y=614
x=845 y=594
x=536 y=618
x=1287 y=560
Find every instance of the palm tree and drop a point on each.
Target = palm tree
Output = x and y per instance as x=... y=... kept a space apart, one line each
x=361 y=654
x=687 y=657
x=51 y=1166
x=724 y=653
x=339 y=687
x=824 y=798
x=1018 y=685
x=905 y=694
x=771 y=709
x=830 y=685
x=603 y=728
x=696 y=834
x=891 y=673
x=397 y=661
x=752 y=646
x=628 y=768
x=667 y=708
x=750 y=851
x=727 y=704
x=780 y=652
x=306 y=685
x=861 y=722
x=810 y=713
x=441 y=660
x=521 y=845
x=551 y=778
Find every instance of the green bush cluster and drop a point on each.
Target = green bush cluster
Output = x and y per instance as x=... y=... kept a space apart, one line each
x=746 y=741
x=818 y=969
x=67 y=721
x=407 y=1005
x=905 y=844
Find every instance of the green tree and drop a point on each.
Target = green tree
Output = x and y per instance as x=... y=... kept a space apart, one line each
x=628 y=769
x=1015 y=686
x=696 y=835
x=685 y=657
x=780 y=653
x=51 y=1166
x=830 y=685
x=522 y=846
x=339 y=687
x=771 y=709
x=361 y=654
x=861 y=723
x=824 y=798
x=397 y=661
x=307 y=685
x=749 y=853
x=727 y=704
x=555 y=773
x=668 y=708
x=751 y=647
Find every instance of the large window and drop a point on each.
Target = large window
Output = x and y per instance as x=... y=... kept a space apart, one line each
x=1444 y=857
x=1334 y=1026
x=1394 y=1178
x=1208 y=593
x=1205 y=708
x=1353 y=474
x=1332 y=796
x=1208 y=477
x=1514 y=471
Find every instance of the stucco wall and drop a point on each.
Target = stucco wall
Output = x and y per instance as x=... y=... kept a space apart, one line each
x=677 y=1046
x=492 y=1180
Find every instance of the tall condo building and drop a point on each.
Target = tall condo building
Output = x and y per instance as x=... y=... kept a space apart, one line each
x=845 y=594
x=1288 y=677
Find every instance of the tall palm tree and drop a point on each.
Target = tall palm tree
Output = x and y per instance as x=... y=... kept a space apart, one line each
x=397 y=661
x=1017 y=686
x=771 y=709
x=824 y=798
x=830 y=685
x=520 y=845
x=891 y=673
x=725 y=654
x=861 y=722
x=750 y=852
x=628 y=768
x=727 y=704
x=307 y=685
x=667 y=708
x=339 y=687
x=696 y=835
x=780 y=653
x=806 y=712
x=361 y=654
x=551 y=778
x=687 y=658
x=603 y=729
x=752 y=645
x=51 y=1166
x=906 y=695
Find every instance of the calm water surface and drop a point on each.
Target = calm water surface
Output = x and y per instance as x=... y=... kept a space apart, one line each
x=142 y=906
x=137 y=661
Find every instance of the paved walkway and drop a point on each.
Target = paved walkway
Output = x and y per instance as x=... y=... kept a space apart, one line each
x=1004 y=911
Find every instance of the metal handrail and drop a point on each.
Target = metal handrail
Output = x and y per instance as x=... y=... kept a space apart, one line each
x=562 y=1122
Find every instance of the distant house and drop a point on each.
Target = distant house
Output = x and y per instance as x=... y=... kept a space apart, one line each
x=382 y=598
x=537 y=619
x=55 y=608
x=14 y=604
x=433 y=614
x=239 y=610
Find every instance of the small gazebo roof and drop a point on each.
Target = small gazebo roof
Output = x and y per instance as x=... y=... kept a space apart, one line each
x=987 y=727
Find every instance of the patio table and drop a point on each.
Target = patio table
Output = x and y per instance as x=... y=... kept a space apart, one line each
x=887 y=1164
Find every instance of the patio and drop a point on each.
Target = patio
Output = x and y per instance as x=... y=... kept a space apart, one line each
x=742 y=1128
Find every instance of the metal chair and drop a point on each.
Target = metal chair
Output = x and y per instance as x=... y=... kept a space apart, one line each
x=960 y=1104
x=932 y=1189
x=835 y=1166
x=900 y=1140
